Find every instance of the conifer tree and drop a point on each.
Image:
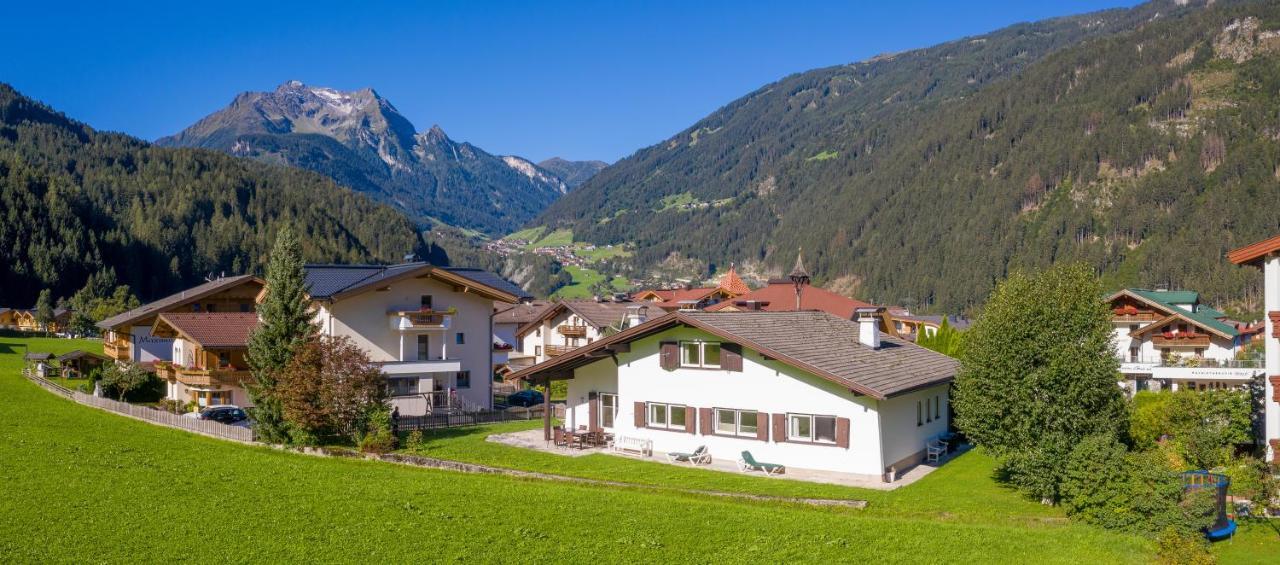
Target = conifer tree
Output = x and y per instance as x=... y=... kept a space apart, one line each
x=285 y=325
x=1038 y=375
x=44 y=309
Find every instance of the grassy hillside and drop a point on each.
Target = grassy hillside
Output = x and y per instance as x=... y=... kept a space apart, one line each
x=135 y=490
x=1142 y=141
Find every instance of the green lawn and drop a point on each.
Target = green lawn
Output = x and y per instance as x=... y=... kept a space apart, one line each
x=138 y=492
x=583 y=279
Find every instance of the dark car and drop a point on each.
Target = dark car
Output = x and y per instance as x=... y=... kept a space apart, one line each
x=224 y=414
x=525 y=398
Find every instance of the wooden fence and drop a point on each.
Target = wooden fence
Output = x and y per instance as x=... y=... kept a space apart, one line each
x=206 y=427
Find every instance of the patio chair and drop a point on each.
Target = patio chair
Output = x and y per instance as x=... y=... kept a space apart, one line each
x=934 y=450
x=700 y=456
x=749 y=463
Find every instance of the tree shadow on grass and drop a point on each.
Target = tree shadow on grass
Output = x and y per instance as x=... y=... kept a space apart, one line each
x=7 y=348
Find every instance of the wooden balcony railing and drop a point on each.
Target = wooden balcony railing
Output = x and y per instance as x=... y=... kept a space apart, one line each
x=573 y=331
x=1181 y=340
x=224 y=376
x=557 y=350
x=419 y=319
x=118 y=350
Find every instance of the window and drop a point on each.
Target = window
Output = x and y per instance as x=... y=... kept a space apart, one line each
x=1133 y=354
x=246 y=307
x=210 y=307
x=670 y=416
x=463 y=379
x=424 y=347
x=919 y=413
x=700 y=354
x=195 y=307
x=224 y=358
x=737 y=422
x=402 y=387
x=608 y=409
x=937 y=407
x=928 y=410
x=426 y=302
x=538 y=332
x=808 y=427
x=460 y=338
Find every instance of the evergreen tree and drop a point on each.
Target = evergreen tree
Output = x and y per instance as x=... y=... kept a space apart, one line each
x=44 y=309
x=1038 y=375
x=284 y=327
x=947 y=340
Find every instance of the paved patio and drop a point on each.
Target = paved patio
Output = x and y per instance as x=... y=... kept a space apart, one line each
x=532 y=439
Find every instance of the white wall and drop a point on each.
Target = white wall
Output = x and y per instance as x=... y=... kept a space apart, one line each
x=1271 y=292
x=364 y=319
x=147 y=348
x=765 y=386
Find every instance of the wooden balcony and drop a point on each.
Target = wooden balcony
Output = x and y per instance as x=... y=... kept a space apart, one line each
x=118 y=350
x=191 y=376
x=420 y=319
x=1180 y=340
x=573 y=331
x=558 y=350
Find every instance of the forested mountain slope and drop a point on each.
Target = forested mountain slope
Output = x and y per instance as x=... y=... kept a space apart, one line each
x=1143 y=141
x=75 y=201
x=360 y=140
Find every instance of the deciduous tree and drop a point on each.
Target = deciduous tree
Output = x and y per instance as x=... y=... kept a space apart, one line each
x=330 y=388
x=1038 y=374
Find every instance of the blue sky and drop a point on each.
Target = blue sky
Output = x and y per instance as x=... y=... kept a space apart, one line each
x=583 y=80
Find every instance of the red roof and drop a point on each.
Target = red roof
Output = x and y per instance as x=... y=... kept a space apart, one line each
x=1254 y=252
x=733 y=283
x=212 y=329
x=781 y=297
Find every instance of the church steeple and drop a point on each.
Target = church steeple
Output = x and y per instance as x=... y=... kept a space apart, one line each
x=799 y=276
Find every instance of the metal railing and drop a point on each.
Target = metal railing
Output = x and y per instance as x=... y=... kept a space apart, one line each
x=1195 y=362
x=438 y=421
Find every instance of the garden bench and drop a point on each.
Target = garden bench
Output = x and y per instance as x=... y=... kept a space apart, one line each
x=633 y=445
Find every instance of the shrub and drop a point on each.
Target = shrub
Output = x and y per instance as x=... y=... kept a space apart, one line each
x=415 y=439
x=170 y=405
x=378 y=437
x=1149 y=418
x=1096 y=482
x=330 y=388
x=1179 y=548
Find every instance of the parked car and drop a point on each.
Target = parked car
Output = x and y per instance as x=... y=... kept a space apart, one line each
x=525 y=398
x=226 y=414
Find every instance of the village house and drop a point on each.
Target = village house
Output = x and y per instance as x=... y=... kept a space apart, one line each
x=430 y=328
x=127 y=336
x=507 y=320
x=1168 y=339
x=1266 y=255
x=913 y=326
x=207 y=365
x=802 y=389
x=695 y=298
x=570 y=324
x=78 y=364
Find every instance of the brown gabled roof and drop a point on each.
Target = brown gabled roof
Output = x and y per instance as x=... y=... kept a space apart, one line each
x=600 y=315
x=1158 y=324
x=337 y=282
x=816 y=342
x=1255 y=252
x=733 y=283
x=78 y=353
x=208 y=329
x=520 y=313
x=177 y=300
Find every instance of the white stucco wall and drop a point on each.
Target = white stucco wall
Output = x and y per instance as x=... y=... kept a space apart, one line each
x=1271 y=293
x=147 y=348
x=765 y=386
x=364 y=319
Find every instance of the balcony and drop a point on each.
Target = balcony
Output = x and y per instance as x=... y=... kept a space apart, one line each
x=558 y=350
x=411 y=320
x=1192 y=368
x=193 y=376
x=1180 y=339
x=393 y=368
x=573 y=331
x=118 y=350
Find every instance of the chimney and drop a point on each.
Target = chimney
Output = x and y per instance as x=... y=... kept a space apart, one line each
x=868 y=319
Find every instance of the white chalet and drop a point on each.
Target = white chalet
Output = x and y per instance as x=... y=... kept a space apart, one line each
x=431 y=328
x=570 y=324
x=1167 y=339
x=803 y=389
x=1266 y=255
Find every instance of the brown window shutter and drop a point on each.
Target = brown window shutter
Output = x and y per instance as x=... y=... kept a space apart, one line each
x=704 y=416
x=593 y=411
x=731 y=357
x=670 y=355
x=640 y=415
x=779 y=428
x=690 y=420
x=762 y=426
x=842 y=432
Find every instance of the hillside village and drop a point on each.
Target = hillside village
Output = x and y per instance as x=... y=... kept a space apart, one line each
x=362 y=341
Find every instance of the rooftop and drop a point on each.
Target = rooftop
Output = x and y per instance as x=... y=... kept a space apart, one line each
x=212 y=329
x=816 y=342
x=781 y=297
x=177 y=299
x=329 y=281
